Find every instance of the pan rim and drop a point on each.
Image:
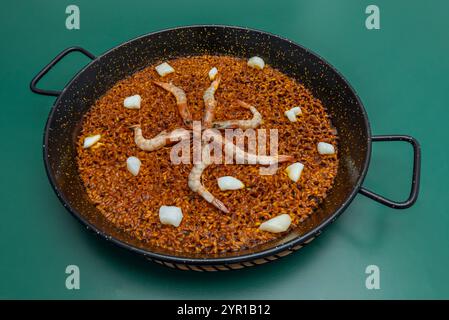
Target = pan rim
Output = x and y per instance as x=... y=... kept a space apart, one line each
x=288 y=245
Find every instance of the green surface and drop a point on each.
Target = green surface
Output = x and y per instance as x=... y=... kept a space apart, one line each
x=400 y=73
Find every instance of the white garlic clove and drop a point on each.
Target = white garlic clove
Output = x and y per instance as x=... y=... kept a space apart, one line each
x=91 y=140
x=294 y=171
x=256 y=62
x=296 y=110
x=213 y=73
x=164 y=68
x=133 y=165
x=292 y=113
x=325 y=148
x=277 y=224
x=132 y=102
x=229 y=183
x=170 y=215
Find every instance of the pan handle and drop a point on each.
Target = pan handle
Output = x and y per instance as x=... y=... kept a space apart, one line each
x=415 y=178
x=48 y=67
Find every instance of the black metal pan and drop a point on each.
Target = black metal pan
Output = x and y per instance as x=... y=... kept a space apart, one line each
x=327 y=84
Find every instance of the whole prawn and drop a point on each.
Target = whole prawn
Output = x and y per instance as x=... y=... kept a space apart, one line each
x=210 y=103
x=255 y=122
x=181 y=101
x=194 y=180
x=241 y=156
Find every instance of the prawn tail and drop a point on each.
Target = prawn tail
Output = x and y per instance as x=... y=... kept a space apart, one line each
x=285 y=158
x=220 y=205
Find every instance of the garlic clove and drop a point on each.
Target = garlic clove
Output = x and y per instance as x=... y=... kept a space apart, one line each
x=325 y=148
x=132 y=102
x=256 y=62
x=213 y=73
x=170 y=215
x=292 y=113
x=296 y=110
x=91 y=140
x=277 y=224
x=229 y=183
x=164 y=68
x=294 y=171
x=133 y=165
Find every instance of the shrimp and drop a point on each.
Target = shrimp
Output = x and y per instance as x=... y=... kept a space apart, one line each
x=181 y=101
x=162 y=139
x=210 y=103
x=255 y=122
x=194 y=181
x=243 y=157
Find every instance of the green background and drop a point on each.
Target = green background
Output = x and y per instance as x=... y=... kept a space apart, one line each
x=400 y=72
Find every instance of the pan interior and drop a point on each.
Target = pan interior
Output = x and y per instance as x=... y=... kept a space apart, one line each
x=326 y=84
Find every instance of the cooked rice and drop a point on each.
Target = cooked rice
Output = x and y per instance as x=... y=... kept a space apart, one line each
x=132 y=202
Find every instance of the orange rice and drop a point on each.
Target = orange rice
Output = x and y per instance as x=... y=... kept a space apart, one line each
x=132 y=202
